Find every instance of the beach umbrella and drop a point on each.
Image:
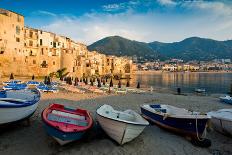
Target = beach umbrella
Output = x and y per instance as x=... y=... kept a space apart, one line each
x=45 y=80
x=48 y=80
x=91 y=82
x=33 y=77
x=119 y=84
x=98 y=83
x=75 y=81
x=128 y=83
x=11 y=76
x=111 y=83
x=178 y=91
x=86 y=81
x=104 y=82
x=138 y=85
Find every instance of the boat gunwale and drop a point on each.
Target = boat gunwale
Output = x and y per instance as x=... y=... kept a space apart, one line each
x=25 y=103
x=127 y=122
x=176 y=116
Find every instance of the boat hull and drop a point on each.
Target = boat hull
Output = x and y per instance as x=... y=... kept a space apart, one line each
x=63 y=137
x=121 y=132
x=9 y=115
x=184 y=126
x=226 y=101
x=222 y=125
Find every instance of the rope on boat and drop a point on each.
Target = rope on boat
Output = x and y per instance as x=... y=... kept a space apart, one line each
x=204 y=133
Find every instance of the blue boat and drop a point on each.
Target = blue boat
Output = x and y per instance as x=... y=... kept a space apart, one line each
x=12 y=82
x=226 y=99
x=33 y=83
x=179 y=120
x=15 y=86
x=46 y=88
x=17 y=105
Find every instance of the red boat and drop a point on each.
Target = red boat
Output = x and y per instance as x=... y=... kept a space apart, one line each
x=66 y=124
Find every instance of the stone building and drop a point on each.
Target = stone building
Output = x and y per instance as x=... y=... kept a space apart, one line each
x=26 y=51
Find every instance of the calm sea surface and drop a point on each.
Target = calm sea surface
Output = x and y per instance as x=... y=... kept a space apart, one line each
x=212 y=82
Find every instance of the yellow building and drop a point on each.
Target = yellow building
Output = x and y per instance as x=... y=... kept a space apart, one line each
x=26 y=51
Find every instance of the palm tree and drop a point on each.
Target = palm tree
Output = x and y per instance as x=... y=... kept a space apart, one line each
x=61 y=73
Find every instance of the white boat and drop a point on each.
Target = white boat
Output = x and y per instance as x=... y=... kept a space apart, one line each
x=17 y=105
x=222 y=120
x=200 y=90
x=122 y=126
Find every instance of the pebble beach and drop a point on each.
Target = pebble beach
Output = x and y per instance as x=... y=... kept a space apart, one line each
x=23 y=139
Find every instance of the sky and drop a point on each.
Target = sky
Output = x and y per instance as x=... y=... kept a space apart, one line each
x=87 y=21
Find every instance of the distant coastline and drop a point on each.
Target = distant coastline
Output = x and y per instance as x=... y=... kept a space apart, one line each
x=160 y=71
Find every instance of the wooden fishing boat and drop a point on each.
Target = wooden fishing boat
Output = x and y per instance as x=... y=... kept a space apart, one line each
x=122 y=126
x=179 y=120
x=17 y=105
x=46 y=88
x=222 y=120
x=12 y=82
x=226 y=99
x=200 y=90
x=33 y=83
x=14 y=86
x=66 y=124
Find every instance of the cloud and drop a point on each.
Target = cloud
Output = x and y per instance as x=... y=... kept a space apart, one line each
x=167 y=2
x=46 y=13
x=112 y=7
x=209 y=19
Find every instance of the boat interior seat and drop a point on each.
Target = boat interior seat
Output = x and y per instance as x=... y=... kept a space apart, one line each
x=65 y=114
x=176 y=111
x=122 y=115
x=66 y=120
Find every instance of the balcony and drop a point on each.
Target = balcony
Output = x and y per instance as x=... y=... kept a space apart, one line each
x=44 y=64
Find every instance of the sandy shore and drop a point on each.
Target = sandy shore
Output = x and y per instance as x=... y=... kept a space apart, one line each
x=21 y=139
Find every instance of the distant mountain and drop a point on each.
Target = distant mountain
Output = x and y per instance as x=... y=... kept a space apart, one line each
x=119 y=46
x=193 y=48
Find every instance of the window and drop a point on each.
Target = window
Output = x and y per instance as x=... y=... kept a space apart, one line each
x=18 y=18
x=41 y=32
x=30 y=43
x=73 y=69
x=34 y=62
x=14 y=59
x=54 y=63
x=42 y=51
x=54 y=44
x=51 y=43
x=18 y=30
x=17 y=39
x=40 y=42
x=44 y=64
x=31 y=34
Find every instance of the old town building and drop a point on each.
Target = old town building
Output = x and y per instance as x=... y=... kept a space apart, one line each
x=26 y=51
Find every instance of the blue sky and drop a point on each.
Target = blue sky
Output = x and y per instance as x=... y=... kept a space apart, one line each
x=143 y=20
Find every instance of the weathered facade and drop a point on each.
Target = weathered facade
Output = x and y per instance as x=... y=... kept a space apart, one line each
x=26 y=51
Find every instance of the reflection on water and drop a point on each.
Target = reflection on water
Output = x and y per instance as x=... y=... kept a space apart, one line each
x=212 y=82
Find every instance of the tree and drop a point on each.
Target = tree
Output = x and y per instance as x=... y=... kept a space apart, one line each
x=61 y=73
